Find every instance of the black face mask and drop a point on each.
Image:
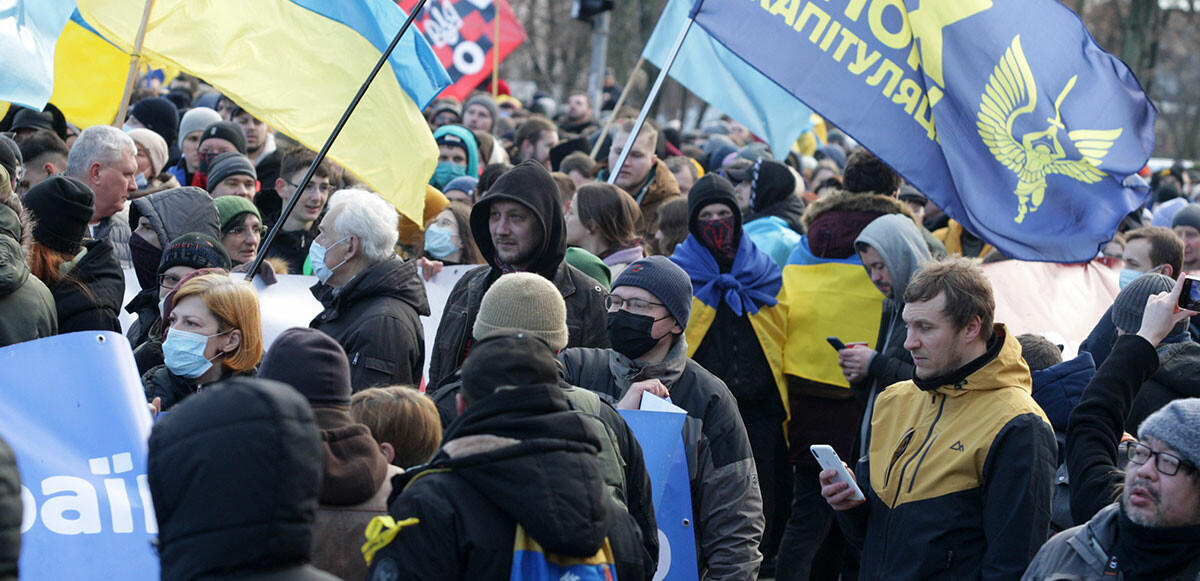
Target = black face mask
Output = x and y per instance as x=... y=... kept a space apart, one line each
x=630 y=334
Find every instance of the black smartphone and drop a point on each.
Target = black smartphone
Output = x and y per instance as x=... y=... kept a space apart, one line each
x=1189 y=298
x=837 y=343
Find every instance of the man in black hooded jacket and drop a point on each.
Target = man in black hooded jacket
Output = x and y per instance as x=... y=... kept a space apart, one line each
x=235 y=472
x=519 y=226
x=516 y=463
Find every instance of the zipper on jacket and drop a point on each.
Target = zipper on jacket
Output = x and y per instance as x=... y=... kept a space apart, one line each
x=928 y=445
x=887 y=532
x=897 y=454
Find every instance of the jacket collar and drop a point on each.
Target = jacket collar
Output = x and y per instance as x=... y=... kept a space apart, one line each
x=1000 y=366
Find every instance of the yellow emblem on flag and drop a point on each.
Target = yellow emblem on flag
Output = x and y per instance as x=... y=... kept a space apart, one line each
x=1011 y=92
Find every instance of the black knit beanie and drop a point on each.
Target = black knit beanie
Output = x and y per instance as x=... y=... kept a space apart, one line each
x=62 y=207
x=228 y=131
x=195 y=250
x=507 y=358
x=312 y=362
x=712 y=189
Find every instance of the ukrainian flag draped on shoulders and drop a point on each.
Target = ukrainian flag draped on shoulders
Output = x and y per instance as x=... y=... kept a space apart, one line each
x=750 y=288
x=296 y=65
x=1007 y=114
x=826 y=297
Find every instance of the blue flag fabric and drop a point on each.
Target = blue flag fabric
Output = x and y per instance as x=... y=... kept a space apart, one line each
x=79 y=432
x=29 y=31
x=1007 y=115
x=752 y=282
x=720 y=78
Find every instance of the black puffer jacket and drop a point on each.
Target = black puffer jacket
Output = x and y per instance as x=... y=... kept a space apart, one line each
x=1178 y=377
x=517 y=457
x=10 y=514
x=161 y=383
x=93 y=304
x=530 y=185
x=235 y=475
x=376 y=319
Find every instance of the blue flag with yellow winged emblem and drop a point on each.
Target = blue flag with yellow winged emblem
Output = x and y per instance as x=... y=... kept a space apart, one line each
x=1008 y=115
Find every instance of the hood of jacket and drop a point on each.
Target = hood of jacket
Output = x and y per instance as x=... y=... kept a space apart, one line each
x=537 y=462
x=469 y=139
x=1179 y=367
x=1058 y=387
x=14 y=271
x=847 y=202
x=175 y=212
x=833 y=222
x=99 y=271
x=394 y=277
x=896 y=238
x=354 y=466
x=530 y=185
x=999 y=367
x=235 y=479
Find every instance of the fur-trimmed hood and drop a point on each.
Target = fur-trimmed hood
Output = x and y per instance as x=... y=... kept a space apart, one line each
x=851 y=202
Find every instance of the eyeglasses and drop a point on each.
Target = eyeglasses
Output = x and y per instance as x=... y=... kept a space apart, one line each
x=168 y=281
x=242 y=231
x=1166 y=463
x=313 y=186
x=614 y=303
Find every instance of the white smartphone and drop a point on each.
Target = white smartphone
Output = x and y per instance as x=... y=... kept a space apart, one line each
x=828 y=459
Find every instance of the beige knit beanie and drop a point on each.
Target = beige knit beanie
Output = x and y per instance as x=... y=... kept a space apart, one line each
x=526 y=302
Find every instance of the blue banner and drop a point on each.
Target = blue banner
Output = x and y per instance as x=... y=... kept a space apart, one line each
x=29 y=31
x=720 y=78
x=659 y=434
x=73 y=411
x=1008 y=116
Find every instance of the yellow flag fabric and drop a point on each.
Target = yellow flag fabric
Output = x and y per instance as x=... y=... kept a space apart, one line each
x=827 y=300
x=296 y=70
x=770 y=326
x=89 y=77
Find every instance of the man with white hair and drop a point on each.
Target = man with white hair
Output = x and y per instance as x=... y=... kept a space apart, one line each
x=373 y=298
x=105 y=159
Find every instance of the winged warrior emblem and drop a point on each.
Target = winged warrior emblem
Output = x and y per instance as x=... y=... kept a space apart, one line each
x=1012 y=92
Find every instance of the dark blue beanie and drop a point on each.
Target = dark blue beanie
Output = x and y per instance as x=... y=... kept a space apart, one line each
x=158 y=115
x=664 y=279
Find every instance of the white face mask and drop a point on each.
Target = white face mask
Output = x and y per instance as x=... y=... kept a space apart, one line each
x=316 y=255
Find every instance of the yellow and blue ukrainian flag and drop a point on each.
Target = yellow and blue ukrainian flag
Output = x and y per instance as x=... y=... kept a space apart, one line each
x=1008 y=115
x=296 y=64
x=29 y=31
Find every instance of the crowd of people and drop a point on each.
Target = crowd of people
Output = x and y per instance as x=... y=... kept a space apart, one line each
x=971 y=452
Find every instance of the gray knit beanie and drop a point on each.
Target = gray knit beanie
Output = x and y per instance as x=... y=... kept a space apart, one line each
x=1127 y=309
x=229 y=164
x=664 y=279
x=526 y=302
x=1188 y=216
x=1177 y=425
x=488 y=103
x=196 y=120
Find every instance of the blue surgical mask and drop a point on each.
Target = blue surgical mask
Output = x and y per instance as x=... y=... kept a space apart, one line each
x=316 y=255
x=141 y=180
x=445 y=172
x=439 y=243
x=183 y=352
x=1129 y=275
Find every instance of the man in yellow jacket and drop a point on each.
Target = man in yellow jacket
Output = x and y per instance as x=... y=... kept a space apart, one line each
x=961 y=462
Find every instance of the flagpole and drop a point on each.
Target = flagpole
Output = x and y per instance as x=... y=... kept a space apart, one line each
x=637 y=67
x=641 y=120
x=337 y=129
x=135 y=60
x=496 y=52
